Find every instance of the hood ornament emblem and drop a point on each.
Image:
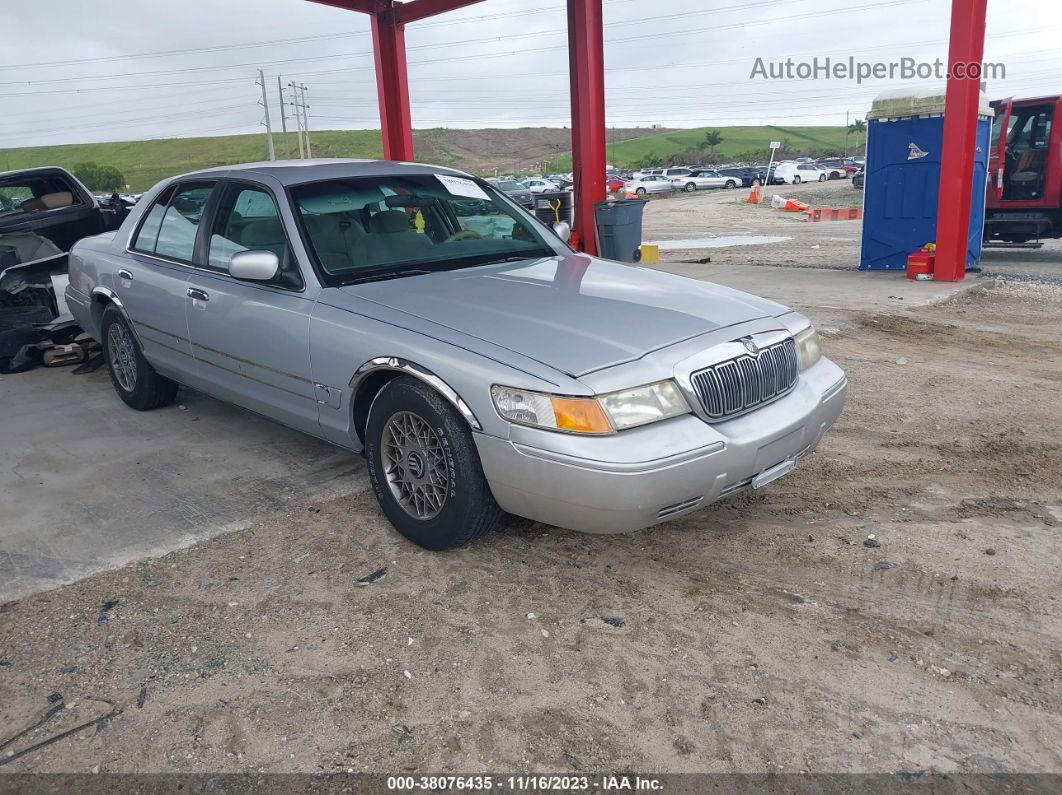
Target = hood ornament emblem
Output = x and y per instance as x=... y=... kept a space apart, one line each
x=750 y=345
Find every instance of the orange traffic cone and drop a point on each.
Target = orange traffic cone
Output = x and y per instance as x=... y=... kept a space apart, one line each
x=756 y=194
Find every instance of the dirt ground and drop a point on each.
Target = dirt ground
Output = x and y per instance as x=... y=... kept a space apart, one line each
x=763 y=634
x=800 y=244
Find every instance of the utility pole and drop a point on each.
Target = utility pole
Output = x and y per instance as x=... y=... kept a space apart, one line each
x=283 y=118
x=265 y=107
x=298 y=116
x=846 y=133
x=306 y=120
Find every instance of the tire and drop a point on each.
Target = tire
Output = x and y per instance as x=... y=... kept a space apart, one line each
x=690 y=187
x=823 y=177
x=135 y=381
x=449 y=503
x=730 y=184
x=639 y=192
x=796 y=180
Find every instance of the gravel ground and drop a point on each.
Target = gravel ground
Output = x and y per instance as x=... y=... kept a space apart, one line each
x=767 y=633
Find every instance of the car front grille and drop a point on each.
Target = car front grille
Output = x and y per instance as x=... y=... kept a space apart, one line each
x=739 y=385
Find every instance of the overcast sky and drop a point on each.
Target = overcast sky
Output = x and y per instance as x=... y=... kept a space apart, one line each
x=74 y=71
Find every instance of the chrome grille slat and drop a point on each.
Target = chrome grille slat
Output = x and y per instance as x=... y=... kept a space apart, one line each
x=738 y=385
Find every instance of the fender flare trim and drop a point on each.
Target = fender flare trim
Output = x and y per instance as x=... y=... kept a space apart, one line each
x=110 y=295
x=398 y=364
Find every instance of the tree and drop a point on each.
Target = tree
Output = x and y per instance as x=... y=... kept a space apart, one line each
x=858 y=127
x=712 y=139
x=99 y=178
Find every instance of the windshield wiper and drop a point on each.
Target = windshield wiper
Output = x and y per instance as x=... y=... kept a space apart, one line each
x=397 y=273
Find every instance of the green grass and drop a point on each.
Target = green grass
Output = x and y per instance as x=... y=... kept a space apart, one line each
x=146 y=162
x=736 y=141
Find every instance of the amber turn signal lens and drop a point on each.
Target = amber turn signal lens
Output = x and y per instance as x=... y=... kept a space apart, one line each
x=580 y=415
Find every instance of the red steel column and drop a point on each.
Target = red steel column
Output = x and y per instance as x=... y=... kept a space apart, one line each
x=392 y=85
x=967 y=46
x=586 y=70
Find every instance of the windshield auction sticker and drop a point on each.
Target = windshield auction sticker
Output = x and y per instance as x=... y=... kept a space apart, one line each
x=460 y=186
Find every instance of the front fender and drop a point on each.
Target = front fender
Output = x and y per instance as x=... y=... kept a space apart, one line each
x=398 y=364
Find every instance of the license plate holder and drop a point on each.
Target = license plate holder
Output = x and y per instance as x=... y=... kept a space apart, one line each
x=773 y=473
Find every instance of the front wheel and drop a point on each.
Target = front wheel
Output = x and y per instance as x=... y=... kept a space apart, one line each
x=639 y=192
x=135 y=381
x=822 y=177
x=425 y=469
x=691 y=187
x=730 y=184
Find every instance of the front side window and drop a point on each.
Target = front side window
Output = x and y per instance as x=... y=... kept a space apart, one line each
x=366 y=226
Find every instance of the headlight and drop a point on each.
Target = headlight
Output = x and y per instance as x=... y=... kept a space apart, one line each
x=604 y=414
x=641 y=405
x=807 y=345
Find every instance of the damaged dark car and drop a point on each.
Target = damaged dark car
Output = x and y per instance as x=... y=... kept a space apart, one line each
x=43 y=212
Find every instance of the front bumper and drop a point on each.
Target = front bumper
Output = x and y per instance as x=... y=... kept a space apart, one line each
x=640 y=477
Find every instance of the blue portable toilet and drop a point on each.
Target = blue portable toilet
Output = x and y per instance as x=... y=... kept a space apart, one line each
x=905 y=133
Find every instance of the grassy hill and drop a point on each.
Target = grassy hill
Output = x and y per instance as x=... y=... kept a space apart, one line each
x=145 y=162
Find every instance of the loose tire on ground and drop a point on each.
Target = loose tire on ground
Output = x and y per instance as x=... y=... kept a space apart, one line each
x=441 y=452
x=135 y=381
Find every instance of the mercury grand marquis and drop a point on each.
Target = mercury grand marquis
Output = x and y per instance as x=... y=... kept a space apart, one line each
x=418 y=316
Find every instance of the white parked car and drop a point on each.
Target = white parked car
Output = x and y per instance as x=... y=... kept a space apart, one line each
x=795 y=173
x=702 y=179
x=537 y=185
x=652 y=183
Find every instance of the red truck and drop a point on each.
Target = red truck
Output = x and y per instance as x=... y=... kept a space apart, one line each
x=1024 y=201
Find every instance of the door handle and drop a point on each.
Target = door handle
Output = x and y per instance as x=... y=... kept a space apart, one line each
x=124 y=274
x=197 y=294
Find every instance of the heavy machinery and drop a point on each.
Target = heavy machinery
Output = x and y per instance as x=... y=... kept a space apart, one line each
x=1024 y=200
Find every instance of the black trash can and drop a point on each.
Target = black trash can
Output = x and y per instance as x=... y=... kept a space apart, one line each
x=552 y=207
x=619 y=229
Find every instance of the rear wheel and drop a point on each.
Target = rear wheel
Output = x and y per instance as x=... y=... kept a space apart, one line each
x=796 y=180
x=730 y=184
x=640 y=192
x=425 y=469
x=135 y=381
x=691 y=187
x=822 y=177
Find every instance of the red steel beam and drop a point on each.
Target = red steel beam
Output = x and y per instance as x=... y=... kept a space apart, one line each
x=364 y=6
x=967 y=46
x=420 y=9
x=586 y=70
x=392 y=85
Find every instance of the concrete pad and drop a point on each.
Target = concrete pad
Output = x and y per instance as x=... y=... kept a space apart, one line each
x=824 y=295
x=88 y=484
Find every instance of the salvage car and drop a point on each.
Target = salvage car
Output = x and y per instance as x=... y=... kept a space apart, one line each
x=703 y=179
x=479 y=368
x=43 y=211
x=516 y=191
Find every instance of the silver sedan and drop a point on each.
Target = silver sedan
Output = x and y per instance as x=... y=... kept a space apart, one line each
x=651 y=183
x=416 y=315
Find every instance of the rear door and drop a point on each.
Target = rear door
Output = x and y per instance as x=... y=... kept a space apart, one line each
x=152 y=278
x=251 y=340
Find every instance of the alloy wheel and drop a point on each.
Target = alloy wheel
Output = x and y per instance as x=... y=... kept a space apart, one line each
x=122 y=356
x=415 y=465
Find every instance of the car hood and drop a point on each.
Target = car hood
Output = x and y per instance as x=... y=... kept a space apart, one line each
x=574 y=313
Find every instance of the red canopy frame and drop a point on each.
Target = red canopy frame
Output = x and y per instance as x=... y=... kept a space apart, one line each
x=586 y=71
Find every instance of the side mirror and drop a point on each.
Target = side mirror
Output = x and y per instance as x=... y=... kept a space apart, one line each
x=563 y=230
x=254 y=266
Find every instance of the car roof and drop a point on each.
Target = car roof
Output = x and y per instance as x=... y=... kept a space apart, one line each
x=297 y=172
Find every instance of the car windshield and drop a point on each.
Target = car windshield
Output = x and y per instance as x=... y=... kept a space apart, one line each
x=378 y=227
